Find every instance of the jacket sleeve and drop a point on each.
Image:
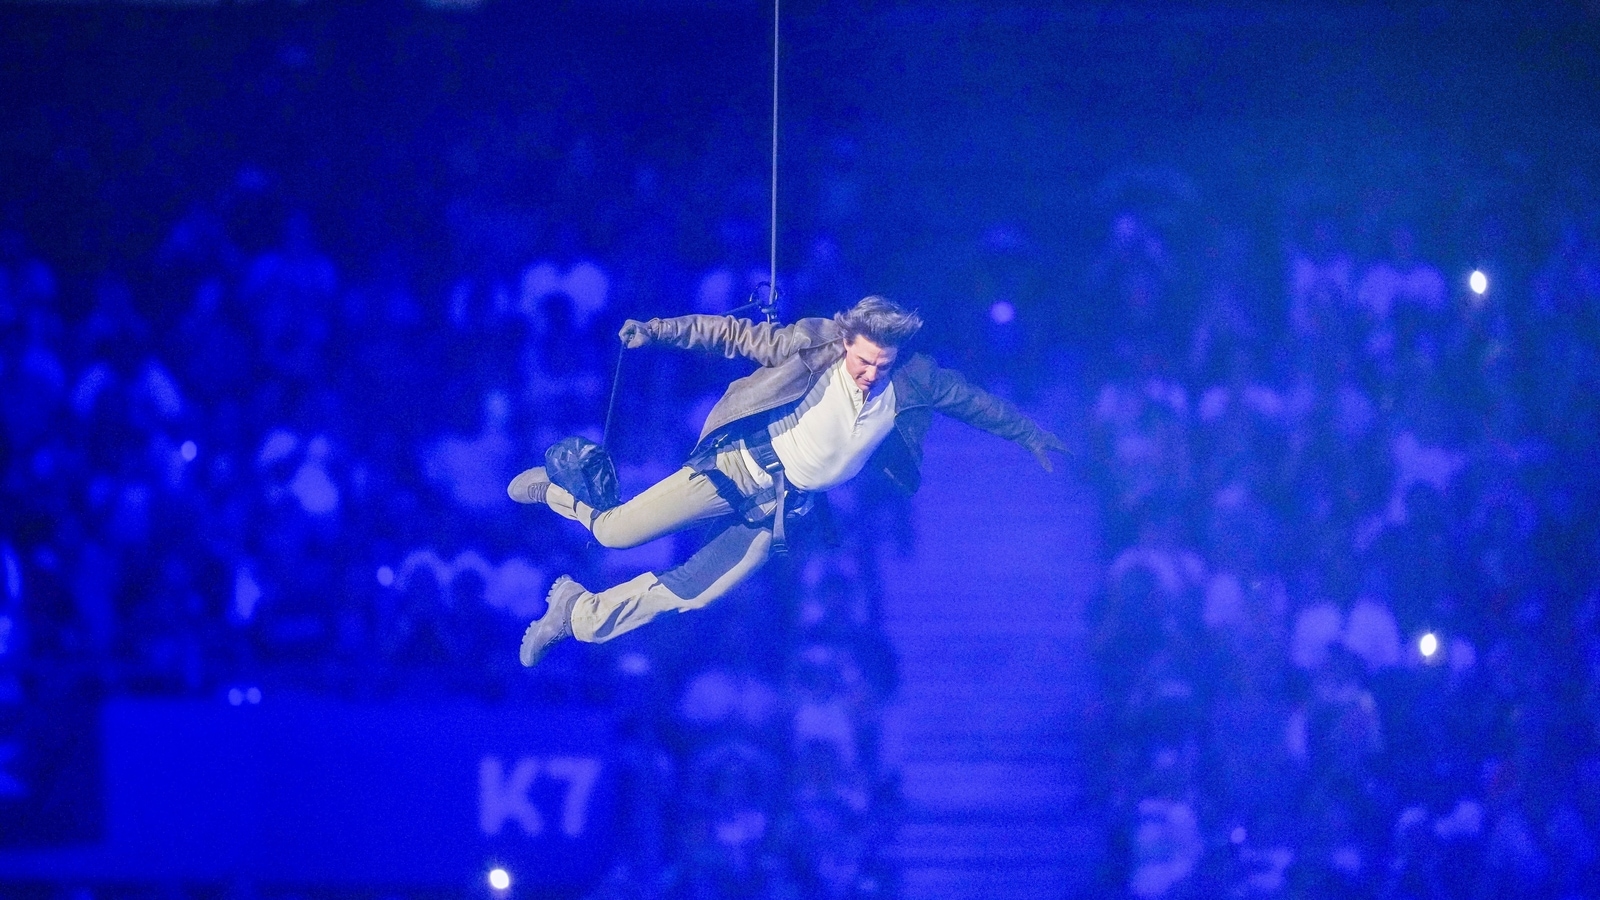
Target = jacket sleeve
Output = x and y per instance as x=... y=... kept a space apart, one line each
x=950 y=393
x=766 y=343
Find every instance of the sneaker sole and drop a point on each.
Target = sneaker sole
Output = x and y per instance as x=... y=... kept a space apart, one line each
x=537 y=640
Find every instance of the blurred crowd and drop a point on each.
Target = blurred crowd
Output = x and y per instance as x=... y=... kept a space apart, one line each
x=1346 y=640
x=238 y=473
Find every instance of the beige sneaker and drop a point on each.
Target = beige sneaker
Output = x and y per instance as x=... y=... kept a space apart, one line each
x=556 y=623
x=529 y=486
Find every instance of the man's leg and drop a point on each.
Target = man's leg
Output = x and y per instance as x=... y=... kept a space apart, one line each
x=684 y=498
x=732 y=556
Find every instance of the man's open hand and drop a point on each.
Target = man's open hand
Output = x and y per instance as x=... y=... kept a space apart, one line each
x=635 y=334
x=1041 y=449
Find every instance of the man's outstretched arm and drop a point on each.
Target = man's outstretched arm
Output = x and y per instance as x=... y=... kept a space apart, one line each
x=953 y=395
x=766 y=343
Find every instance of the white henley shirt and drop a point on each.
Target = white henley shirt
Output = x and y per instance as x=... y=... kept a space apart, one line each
x=825 y=440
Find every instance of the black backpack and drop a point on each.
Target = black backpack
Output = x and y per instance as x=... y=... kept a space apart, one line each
x=585 y=470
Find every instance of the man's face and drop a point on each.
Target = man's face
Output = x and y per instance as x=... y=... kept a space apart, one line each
x=868 y=364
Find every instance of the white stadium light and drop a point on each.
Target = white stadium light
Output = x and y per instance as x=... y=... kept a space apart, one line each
x=1478 y=281
x=1428 y=644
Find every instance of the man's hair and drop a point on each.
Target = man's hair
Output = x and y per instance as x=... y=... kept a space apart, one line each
x=880 y=321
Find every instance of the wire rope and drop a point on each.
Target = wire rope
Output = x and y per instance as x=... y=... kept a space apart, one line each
x=769 y=307
x=772 y=255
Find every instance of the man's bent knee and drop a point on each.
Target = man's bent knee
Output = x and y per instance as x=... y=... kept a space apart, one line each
x=613 y=535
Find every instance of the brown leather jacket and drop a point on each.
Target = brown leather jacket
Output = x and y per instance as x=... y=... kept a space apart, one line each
x=792 y=357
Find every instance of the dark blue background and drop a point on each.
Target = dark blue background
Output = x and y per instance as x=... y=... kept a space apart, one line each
x=271 y=344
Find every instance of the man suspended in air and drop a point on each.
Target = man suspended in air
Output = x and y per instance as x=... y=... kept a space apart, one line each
x=830 y=396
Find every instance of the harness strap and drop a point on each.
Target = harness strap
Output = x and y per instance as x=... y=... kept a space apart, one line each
x=759 y=443
x=780 y=544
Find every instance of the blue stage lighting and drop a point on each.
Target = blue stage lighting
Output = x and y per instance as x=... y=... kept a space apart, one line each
x=499 y=879
x=1478 y=281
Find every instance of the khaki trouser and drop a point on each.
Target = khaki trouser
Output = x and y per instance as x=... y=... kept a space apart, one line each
x=684 y=498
